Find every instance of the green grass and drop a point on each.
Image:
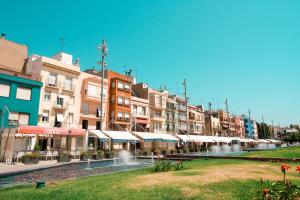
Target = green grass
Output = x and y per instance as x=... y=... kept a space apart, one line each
x=112 y=186
x=291 y=152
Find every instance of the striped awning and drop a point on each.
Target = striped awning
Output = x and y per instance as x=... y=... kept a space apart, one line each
x=121 y=136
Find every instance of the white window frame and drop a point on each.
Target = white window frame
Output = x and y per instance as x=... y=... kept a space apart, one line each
x=45 y=116
x=4 y=90
x=120 y=100
x=21 y=93
x=47 y=94
x=127 y=86
x=120 y=85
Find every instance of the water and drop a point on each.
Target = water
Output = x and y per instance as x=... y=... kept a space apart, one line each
x=70 y=171
x=125 y=158
x=224 y=149
x=262 y=146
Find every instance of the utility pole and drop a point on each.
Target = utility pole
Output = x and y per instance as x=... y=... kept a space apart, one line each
x=103 y=50
x=186 y=107
x=61 y=44
x=263 y=124
x=210 y=118
x=228 y=118
x=272 y=129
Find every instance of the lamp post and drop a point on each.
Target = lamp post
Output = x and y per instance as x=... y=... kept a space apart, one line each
x=103 y=50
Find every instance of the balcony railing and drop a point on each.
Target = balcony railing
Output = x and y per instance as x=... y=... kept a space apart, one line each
x=67 y=86
x=51 y=83
x=63 y=106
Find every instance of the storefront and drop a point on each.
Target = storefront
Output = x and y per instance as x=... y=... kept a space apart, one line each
x=97 y=140
x=122 y=140
x=51 y=138
x=157 y=141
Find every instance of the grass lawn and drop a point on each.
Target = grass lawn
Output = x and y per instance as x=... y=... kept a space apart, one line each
x=291 y=152
x=201 y=179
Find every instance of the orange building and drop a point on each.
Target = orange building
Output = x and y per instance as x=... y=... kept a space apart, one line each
x=119 y=98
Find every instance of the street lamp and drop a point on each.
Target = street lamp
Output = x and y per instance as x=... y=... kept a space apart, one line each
x=103 y=50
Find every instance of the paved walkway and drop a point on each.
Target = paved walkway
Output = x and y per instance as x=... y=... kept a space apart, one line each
x=11 y=168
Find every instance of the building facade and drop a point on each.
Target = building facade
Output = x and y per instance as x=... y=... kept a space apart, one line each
x=19 y=87
x=140 y=108
x=89 y=87
x=212 y=123
x=171 y=115
x=196 y=120
x=157 y=105
x=239 y=126
x=59 y=98
x=19 y=101
x=182 y=119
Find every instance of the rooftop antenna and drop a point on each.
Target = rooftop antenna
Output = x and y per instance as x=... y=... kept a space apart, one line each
x=61 y=44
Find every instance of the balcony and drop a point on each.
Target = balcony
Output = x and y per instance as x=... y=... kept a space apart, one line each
x=57 y=106
x=140 y=114
x=67 y=86
x=181 y=108
x=182 y=118
x=52 y=83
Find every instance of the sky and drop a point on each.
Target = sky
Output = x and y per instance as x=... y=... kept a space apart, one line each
x=246 y=51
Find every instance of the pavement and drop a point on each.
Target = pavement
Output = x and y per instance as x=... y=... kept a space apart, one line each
x=19 y=167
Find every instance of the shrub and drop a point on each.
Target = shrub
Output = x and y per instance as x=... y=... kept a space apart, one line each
x=85 y=155
x=37 y=147
x=31 y=156
x=167 y=165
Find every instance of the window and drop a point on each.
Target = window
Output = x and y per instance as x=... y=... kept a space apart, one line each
x=23 y=93
x=52 y=79
x=45 y=117
x=120 y=100
x=60 y=101
x=127 y=86
x=13 y=118
x=113 y=98
x=94 y=91
x=16 y=118
x=134 y=108
x=47 y=96
x=120 y=115
x=126 y=116
x=68 y=83
x=85 y=108
x=113 y=84
x=4 y=90
x=127 y=101
x=120 y=85
x=71 y=118
x=144 y=110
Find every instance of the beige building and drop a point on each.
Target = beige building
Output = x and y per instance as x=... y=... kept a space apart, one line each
x=171 y=115
x=140 y=108
x=196 y=120
x=157 y=104
x=59 y=97
x=212 y=123
x=89 y=89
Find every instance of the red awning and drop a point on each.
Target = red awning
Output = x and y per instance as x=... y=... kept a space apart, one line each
x=50 y=131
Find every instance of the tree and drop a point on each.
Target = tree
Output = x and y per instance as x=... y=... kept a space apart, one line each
x=264 y=131
x=295 y=126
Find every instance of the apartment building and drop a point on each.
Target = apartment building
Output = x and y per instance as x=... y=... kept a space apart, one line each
x=171 y=115
x=89 y=88
x=250 y=127
x=19 y=87
x=157 y=105
x=196 y=120
x=182 y=117
x=140 y=108
x=119 y=99
x=212 y=123
x=59 y=97
x=239 y=126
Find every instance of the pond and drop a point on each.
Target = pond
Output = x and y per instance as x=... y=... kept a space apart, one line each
x=73 y=170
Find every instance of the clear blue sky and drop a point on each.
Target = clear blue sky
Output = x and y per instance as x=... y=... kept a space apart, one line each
x=246 y=51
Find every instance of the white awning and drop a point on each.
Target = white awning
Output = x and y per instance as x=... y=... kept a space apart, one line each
x=164 y=137
x=201 y=138
x=59 y=117
x=99 y=134
x=274 y=141
x=185 y=138
x=263 y=141
x=120 y=136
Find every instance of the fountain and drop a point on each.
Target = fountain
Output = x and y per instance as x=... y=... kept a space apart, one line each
x=152 y=158
x=236 y=148
x=124 y=158
x=88 y=167
x=226 y=148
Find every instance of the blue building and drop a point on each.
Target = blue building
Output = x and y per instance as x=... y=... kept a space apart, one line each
x=19 y=101
x=249 y=127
